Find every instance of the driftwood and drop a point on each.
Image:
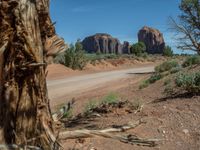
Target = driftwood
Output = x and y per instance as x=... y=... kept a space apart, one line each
x=112 y=133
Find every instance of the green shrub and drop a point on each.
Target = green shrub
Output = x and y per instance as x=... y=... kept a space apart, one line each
x=176 y=69
x=192 y=60
x=189 y=82
x=138 y=49
x=168 y=51
x=75 y=57
x=154 y=78
x=166 y=66
x=60 y=58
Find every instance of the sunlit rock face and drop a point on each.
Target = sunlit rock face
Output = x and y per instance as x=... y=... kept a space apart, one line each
x=153 y=40
x=103 y=43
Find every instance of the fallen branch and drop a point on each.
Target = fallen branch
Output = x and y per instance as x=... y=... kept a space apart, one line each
x=111 y=133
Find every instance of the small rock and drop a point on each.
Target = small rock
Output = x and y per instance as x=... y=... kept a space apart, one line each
x=186 y=131
x=164 y=107
x=163 y=131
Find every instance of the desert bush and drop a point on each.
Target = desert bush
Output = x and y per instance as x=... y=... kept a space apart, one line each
x=144 y=84
x=175 y=69
x=60 y=58
x=169 y=90
x=167 y=82
x=168 y=51
x=155 y=77
x=166 y=66
x=192 y=60
x=75 y=57
x=138 y=49
x=189 y=82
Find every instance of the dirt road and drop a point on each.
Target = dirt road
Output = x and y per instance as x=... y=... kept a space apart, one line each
x=61 y=88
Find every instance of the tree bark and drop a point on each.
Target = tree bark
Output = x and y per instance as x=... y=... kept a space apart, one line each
x=25 y=117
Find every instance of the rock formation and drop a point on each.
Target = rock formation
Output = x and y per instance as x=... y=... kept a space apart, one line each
x=103 y=43
x=153 y=40
x=126 y=47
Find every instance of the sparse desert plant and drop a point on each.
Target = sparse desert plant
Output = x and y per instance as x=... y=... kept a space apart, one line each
x=155 y=77
x=111 y=98
x=169 y=90
x=168 y=51
x=144 y=84
x=189 y=82
x=68 y=114
x=192 y=60
x=167 y=82
x=166 y=66
x=175 y=69
x=91 y=105
x=136 y=104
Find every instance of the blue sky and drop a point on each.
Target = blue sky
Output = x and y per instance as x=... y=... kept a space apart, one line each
x=120 y=18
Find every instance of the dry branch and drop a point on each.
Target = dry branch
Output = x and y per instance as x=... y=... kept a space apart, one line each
x=112 y=133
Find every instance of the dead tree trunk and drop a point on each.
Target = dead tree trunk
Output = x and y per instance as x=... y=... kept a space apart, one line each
x=25 y=117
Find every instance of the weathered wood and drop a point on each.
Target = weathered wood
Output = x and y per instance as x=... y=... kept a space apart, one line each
x=111 y=133
x=25 y=27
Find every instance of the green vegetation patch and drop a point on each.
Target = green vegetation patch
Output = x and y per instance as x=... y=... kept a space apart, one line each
x=192 y=60
x=166 y=66
x=189 y=82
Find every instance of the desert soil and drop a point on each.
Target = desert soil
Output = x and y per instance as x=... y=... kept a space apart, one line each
x=175 y=121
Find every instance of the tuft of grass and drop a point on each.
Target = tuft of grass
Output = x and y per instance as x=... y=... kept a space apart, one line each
x=91 y=105
x=111 y=98
x=166 y=66
x=68 y=114
x=192 y=60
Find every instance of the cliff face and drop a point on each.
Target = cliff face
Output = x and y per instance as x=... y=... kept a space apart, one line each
x=153 y=40
x=103 y=43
